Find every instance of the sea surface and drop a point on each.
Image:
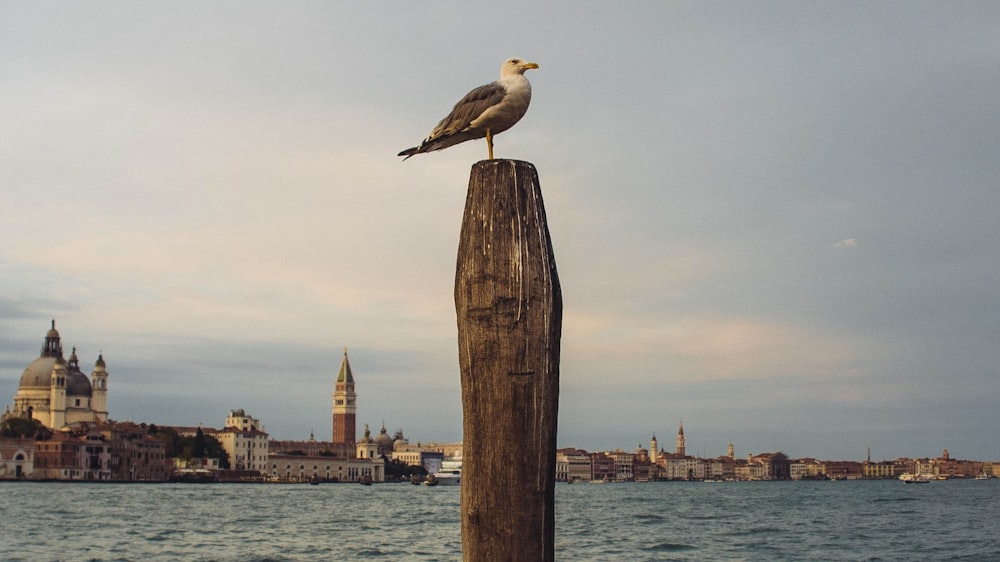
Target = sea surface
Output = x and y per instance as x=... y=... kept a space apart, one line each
x=862 y=520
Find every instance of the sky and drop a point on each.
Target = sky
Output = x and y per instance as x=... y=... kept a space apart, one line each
x=776 y=222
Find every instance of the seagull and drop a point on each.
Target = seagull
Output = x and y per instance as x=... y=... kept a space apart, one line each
x=485 y=111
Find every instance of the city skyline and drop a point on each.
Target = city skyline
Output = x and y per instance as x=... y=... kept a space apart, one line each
x=775 y=222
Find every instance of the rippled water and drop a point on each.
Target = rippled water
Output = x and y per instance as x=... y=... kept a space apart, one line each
x=885 y=520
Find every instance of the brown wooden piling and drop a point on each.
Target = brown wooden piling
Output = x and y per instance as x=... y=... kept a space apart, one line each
x=509 y=308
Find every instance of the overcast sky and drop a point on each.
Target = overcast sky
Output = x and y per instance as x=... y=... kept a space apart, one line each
x=775 y=221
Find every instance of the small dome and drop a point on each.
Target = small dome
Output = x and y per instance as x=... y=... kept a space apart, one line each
x=77 y=383
x=367 y=439
x=383 y=440
x=100 y=361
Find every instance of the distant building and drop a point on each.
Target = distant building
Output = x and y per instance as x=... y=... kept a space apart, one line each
x=366 y=448
x=245 y=441
x=298 y=468
x=54 y=390
x=844 y=470
x=681 y=446
x=17 y=458
x=136 y=456
x=65 y=456
x=807 y=469
x=770 y=466
x=602 y=467
x=345 y=406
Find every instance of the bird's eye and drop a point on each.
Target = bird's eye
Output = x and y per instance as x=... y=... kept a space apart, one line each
x=515 y=61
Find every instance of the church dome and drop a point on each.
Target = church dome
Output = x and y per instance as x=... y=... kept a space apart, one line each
x=77 y=383
x=384 y=441
x=39 y=373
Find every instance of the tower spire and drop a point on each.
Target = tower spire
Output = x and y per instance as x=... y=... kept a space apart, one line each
x=680 y=440
x=344 y=405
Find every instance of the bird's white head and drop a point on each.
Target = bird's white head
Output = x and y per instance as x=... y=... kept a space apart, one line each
x=515 y=65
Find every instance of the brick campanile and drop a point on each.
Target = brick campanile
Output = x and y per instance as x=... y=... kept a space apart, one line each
x=344 y=405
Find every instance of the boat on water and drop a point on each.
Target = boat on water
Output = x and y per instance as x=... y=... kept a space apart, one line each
x=914 y=478
x=450 y=473
x=983 y=476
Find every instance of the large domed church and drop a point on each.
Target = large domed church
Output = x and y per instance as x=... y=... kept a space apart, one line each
x=55 y=391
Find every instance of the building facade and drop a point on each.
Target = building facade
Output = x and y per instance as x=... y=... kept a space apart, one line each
x=245 y=441
x=17 y=458
x=298 y=468
x=54 y=391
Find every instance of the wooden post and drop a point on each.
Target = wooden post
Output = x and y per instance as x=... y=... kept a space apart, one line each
x=509 y=308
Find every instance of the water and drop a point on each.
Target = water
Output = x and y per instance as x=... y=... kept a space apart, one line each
x=881 y=520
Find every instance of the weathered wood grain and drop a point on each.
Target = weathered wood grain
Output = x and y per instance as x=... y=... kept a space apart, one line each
x=509 y=307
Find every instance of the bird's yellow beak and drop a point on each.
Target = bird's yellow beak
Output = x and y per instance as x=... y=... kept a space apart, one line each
x=529 y=65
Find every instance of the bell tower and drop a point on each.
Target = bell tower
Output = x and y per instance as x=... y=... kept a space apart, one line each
x=344 y=405
x=99 y=393
x=680 y=441
x=57 y=396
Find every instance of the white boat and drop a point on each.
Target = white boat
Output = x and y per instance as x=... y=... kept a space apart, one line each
x=914 y=478
x=450 y=473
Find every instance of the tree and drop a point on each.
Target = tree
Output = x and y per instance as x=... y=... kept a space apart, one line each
x=397 y=470
x=198 y=447
x=22 y=428
x=192 y=447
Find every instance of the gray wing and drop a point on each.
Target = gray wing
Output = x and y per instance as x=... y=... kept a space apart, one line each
x=468 y=108
x=454 y=128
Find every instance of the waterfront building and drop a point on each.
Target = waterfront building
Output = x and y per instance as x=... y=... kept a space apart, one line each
x=136 y=456
x=844 y=470
x=17 y=458
x=682 y=467
x=68 y=456
x=624 y=465
x=429 y=460
x=602 y=467
x=883 y=469
x=345 y=406
x=573 y=465
x=771 y=466
x=105 y=451
x=807 y=469
x=904 y=465
x=54 y=391
x=417 y=455
x=722 y=468
x=245 y=441
x=299 y=468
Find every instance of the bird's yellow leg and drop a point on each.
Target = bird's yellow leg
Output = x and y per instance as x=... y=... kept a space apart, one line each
x=489 y=142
